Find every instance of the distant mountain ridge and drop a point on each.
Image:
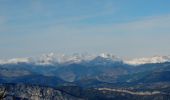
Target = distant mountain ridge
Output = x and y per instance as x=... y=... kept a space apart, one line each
x=102 y=68
x=52 y=59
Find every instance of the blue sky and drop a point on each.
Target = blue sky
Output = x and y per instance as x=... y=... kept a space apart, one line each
x=128 y=28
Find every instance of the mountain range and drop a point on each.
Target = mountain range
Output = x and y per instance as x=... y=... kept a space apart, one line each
x=100 y=75
x=51 y=58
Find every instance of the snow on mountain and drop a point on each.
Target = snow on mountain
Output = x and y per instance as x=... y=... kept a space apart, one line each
x=51 y=58
x=75 y=58
x=149 y=60
x=111 y=57
x=15 y=61
x=46 y=59
x=104 y=58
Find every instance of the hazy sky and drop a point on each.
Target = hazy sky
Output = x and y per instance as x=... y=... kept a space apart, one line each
x=128 y=28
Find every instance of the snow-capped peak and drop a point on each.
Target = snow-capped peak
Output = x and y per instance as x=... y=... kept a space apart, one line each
x=148 y=60
x=110 y=56
x=105 y=55
x=46 y=59
x=69 y=58
x=15 y=61
x=50 y=59
x=74 y=58
x=53 y=59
